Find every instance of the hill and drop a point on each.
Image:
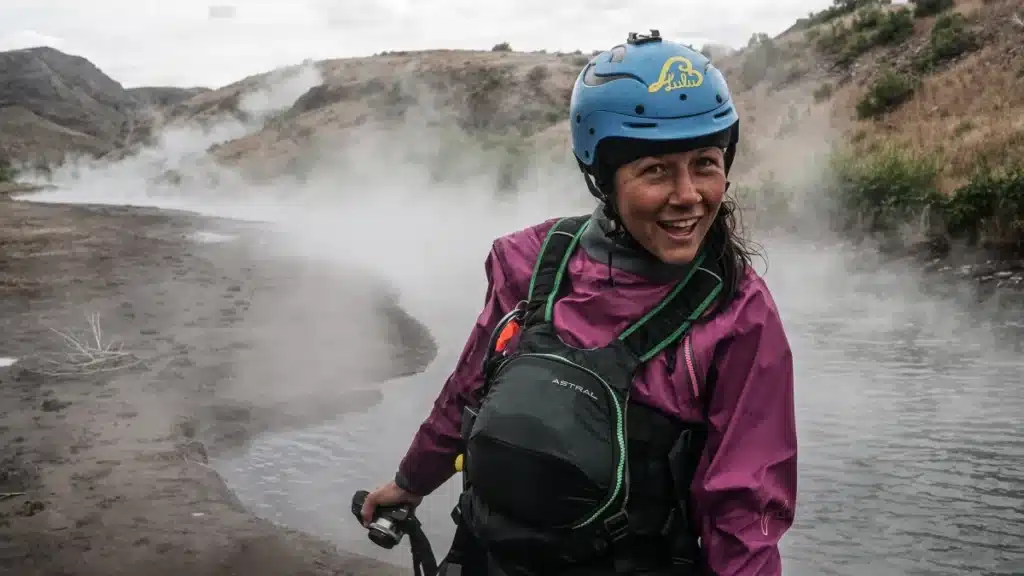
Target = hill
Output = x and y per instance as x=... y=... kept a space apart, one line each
x=874 y=115
x=55 y=105
x=501 y=97
x=918 y=109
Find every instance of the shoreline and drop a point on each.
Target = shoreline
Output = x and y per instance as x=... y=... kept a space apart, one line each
x=105 y=469
x=107 y=472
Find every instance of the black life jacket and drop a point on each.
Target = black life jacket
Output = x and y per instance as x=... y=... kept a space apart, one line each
x=563 y=472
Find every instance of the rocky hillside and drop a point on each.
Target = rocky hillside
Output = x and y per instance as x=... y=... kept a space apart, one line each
x=163 y=96
x=502 y=97
x=911 y=116
x=927 y=90
x=54 y=104
x=864 y=73
x=939 y=77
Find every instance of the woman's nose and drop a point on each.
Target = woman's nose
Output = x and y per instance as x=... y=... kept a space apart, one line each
x=685 y=191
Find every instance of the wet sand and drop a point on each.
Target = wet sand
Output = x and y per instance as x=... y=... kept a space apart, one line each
x=104 y=463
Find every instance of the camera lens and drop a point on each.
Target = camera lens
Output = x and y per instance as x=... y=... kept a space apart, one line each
x=383 y=539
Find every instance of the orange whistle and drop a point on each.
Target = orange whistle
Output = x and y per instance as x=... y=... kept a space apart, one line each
x=510 y=330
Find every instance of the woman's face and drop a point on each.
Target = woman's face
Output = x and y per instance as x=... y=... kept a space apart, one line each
x=668 y=203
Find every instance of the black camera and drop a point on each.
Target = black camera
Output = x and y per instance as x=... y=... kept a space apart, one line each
x=390 y=523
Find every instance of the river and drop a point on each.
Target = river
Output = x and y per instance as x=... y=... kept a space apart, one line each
x=911 y=425
x=910 y=401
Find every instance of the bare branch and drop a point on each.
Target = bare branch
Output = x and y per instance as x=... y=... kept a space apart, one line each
x=85 y=357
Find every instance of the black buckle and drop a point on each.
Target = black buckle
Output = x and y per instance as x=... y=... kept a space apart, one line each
x=617 y=526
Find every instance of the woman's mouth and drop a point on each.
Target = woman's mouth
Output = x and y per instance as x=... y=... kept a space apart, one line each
x=680 y=229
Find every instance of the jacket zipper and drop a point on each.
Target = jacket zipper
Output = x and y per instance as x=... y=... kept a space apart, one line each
x=690 y=367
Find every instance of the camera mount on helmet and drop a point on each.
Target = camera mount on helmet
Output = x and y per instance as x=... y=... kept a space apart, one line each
x=635 y=38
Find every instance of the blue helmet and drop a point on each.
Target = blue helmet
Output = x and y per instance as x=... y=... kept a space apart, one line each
x=649 y=93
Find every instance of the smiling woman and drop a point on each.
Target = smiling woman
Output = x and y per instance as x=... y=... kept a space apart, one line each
x=668 y=201
x=641 y=420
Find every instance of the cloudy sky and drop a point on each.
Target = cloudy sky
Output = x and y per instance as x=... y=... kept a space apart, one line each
x=212 y=43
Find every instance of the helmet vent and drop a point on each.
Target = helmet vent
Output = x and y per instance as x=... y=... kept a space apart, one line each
x=640 y=124
x=723 y=113
x=590 y=77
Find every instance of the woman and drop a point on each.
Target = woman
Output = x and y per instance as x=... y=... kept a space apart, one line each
x=633 y=414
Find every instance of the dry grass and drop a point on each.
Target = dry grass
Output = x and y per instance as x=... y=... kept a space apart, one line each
x=968 y=111
x=954 y=119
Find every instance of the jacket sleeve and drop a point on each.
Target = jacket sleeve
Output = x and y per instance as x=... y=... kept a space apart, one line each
x=744 y=493
x=430 y=460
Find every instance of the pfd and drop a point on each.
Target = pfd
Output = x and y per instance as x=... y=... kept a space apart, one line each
x=563 y=473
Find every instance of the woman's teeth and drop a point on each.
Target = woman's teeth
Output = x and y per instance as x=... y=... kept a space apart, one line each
x=681 y=227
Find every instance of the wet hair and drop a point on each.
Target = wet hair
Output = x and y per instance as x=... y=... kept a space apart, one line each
x=734 y=253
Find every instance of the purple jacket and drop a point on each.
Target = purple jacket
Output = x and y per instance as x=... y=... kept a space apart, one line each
x=744 y=493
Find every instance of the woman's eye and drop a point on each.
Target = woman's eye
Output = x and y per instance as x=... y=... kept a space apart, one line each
x=654 y=170
x=705 y=162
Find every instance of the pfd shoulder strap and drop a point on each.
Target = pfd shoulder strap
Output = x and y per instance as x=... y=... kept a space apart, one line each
x=667 y=322
x=549 y=270
x=662 y=326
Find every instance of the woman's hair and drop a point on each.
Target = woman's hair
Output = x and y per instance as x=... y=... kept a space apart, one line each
x=734 y=253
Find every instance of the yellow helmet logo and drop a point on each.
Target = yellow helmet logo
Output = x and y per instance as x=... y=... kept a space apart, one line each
x=677 y=73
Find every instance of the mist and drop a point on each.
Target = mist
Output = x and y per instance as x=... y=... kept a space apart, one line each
x=376 y=214
x=378 y=210
x=372 y=221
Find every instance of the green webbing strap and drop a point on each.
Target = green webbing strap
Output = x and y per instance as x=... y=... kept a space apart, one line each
x=667 y=322
x=663 y=325
x=549 y=270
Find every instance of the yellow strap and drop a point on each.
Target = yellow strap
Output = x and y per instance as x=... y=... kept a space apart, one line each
x=458 y=463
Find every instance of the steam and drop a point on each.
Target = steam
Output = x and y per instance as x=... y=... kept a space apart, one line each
x=396 y=209
x=281 y=89
x=400 y=203
x=376 y=213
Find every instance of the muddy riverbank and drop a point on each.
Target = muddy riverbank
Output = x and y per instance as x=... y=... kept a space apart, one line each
x=104 y=467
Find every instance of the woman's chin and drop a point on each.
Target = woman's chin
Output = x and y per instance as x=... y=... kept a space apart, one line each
x=678 y=251
x=677 y=255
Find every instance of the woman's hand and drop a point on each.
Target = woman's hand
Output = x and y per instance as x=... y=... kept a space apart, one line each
x=387 y=495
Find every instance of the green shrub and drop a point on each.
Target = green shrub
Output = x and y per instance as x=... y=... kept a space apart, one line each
x=7 y=171
x=950 y=37
x=889 y=91
x=895 y=27
x=885 y=188
x=880 y=191
x=868 y=19
x=503 y=47
x=871 y=27
x=832 y=38
x=762 y=56
x=991 y=202
x=538 y=74
x=925 y=8
x=840 y=8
